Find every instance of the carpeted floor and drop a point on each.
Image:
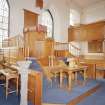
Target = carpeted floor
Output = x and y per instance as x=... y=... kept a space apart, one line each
x=62 y=96
x=98 y=98
x=12 y=99
x=56 y=95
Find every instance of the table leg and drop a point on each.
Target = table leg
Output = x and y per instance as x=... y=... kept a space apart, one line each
x=61 y=79
x=76 y=76
x=94 y=71
x=70 y=81
x=84 y=75
x=6 y=87
x=55 y=76
x=17 y=83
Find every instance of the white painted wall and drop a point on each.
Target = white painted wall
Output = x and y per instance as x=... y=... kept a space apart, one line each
x=93 y=13
x=60 y=13
x=59 y=9
x=17 y=14
x=76 y=12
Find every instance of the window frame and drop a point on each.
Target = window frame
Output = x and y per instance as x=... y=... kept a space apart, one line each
x=47 y=10
x=7 y=29
x=8 y=18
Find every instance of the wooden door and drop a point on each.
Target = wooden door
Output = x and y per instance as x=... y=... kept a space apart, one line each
x=30 y=18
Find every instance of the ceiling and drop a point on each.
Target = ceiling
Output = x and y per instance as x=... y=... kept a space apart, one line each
x=86 y=3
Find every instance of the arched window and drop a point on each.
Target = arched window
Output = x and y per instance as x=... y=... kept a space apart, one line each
x=4 y=20
x=47 y=20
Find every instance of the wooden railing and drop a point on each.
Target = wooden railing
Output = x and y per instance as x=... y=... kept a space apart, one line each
x=61 y=46
x=64 y=48
x=13 y=49
x=74 y=50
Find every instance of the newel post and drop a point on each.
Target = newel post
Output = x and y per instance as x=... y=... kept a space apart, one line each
x=23 y=70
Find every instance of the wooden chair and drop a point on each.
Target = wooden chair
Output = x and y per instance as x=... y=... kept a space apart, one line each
x=60 y=63
x=9 y=75
x=47 y=71
x=48 y=74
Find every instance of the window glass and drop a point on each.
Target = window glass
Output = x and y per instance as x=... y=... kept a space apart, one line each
x=4 y=18
x=48 y=21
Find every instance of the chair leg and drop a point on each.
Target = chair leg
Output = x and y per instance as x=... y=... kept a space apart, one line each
x=17 y=83
x=61 y=79
x=76 y=76
x=55 y=77
x=6 y=88
x=51 y=83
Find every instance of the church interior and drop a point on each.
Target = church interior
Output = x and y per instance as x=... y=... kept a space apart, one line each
x=52 y=52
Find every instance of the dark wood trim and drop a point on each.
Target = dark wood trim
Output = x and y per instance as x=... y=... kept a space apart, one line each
x=52 y=21
x=30 y=11
x=39 y=3
x=83 y=96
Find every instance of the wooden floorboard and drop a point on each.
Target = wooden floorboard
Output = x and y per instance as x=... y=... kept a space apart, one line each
x=52 y=104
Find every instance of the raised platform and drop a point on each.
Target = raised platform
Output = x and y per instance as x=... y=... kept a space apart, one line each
x=55 y=95
x=58 y=96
